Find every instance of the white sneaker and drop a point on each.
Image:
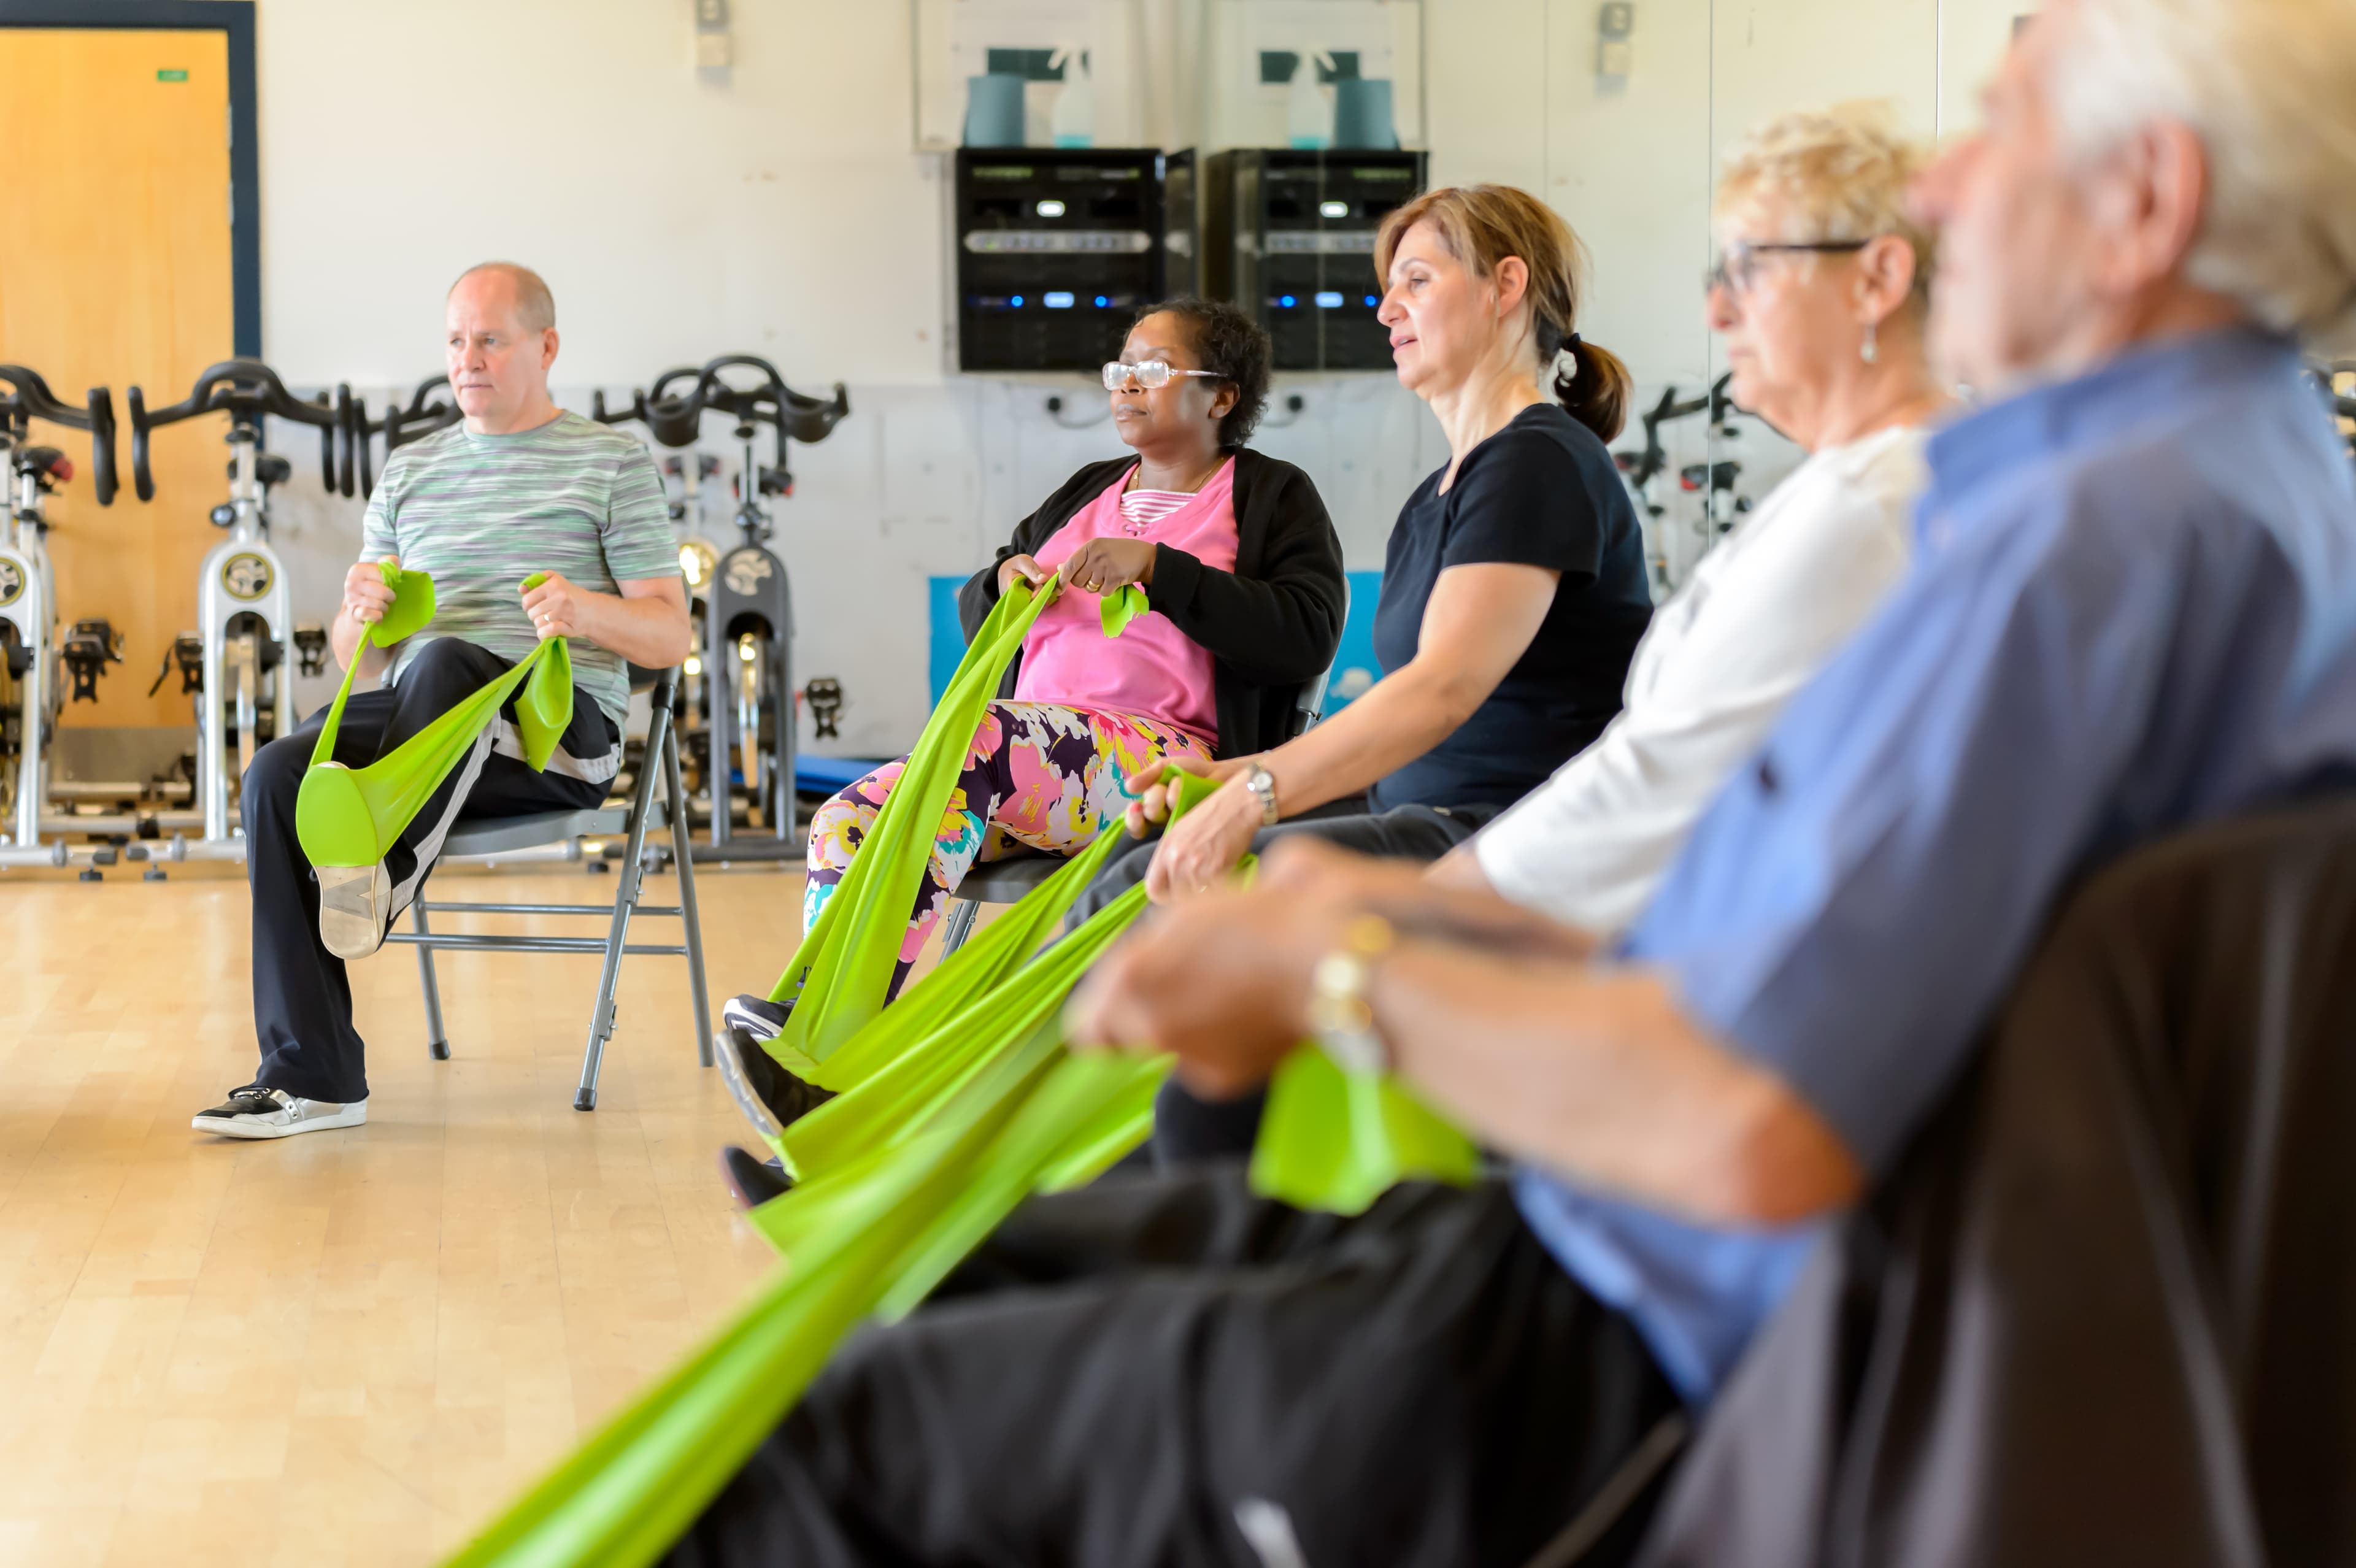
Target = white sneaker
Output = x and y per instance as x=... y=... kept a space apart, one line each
x=355 y=906
x=255 y=1112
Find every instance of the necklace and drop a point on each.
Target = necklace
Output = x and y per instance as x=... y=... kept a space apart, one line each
x=1203 y=478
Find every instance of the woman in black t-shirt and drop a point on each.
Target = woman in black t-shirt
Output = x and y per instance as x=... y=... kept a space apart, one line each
x=1514 y=591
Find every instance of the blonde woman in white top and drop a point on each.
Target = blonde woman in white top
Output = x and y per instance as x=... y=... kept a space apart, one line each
x=1822 y=294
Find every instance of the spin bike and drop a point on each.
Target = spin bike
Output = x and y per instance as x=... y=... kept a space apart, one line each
x=234 y=663
x=31 y=696
x=746 y=654
x=675 y=419
x=1644 y=467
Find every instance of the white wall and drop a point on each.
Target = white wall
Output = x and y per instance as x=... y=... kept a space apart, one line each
x=781 y=212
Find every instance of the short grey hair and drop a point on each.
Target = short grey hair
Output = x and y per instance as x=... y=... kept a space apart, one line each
x=1841 y=172
x=533 y=302
x=2269 y=87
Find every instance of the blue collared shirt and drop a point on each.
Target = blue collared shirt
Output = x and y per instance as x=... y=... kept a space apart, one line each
x=2133 y=608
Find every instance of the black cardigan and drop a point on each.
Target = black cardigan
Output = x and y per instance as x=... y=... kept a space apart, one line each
x=1271 y=625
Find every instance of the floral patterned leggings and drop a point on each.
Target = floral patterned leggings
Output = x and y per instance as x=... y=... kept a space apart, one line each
x=1044 y=775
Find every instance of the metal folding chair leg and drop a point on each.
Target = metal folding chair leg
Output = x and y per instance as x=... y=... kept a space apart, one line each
x=683 y=864
x=437 y=1040
x=625 y=898
x=958 y=925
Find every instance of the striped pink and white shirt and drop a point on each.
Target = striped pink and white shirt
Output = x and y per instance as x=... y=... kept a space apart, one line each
x=1141 y=509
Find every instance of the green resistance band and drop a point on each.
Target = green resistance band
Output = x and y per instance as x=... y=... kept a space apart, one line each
x=982 y=1000
x=838 y=976
x=961 y=1101
x=351 y=816
x=1121 y=606
x=946 y=1123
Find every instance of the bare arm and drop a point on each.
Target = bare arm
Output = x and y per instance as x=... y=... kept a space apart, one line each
x=647 y=622
x=1477 y=624
x=1589 y=1070
x=1596 y=1072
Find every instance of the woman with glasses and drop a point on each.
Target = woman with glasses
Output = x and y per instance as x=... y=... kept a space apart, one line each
x=1243 y=574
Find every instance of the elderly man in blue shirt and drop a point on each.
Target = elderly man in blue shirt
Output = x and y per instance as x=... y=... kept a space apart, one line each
x=2133 y=609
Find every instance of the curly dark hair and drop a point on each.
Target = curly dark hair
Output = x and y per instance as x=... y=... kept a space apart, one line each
x=1232 y=346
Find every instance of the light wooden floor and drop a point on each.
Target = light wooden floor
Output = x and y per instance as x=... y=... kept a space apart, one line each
x=348 y=1346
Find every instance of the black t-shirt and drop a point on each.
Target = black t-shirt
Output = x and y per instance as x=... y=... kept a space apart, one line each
x=1541 y=492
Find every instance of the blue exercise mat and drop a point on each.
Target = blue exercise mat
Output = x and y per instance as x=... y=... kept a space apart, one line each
x=825 y=775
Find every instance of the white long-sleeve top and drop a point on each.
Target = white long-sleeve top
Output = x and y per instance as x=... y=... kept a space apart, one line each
x=1760 y=617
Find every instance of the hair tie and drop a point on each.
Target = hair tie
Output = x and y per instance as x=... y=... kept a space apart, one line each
x=1572 y=343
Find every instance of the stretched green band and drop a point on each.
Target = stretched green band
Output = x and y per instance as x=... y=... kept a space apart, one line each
x=957 y=1102
x=351 y=816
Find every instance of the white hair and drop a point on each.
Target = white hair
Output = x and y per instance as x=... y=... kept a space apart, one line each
x=2269 y=87
x=1841 y=172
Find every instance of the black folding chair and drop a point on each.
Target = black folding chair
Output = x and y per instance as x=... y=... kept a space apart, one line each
x=509 y=834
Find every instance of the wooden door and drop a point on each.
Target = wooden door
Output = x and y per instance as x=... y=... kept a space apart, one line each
x=114 y=269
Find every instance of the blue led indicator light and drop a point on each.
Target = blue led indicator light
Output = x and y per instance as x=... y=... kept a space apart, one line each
x=1016 y=301
x=1329 y=299
x=1059 y=300
x=1372 y=301
x=1102 y=302
x=1287 y=300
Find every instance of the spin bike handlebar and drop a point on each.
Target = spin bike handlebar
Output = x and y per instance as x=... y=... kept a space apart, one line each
x=1717 y=403
x=245 y=390
x=32 y=399
x=675 y=419
x=796 y=415
x=432 y=407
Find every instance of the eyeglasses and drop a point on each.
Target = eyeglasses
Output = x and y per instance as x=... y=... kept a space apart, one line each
x=1148 y=374
x=1738 y=264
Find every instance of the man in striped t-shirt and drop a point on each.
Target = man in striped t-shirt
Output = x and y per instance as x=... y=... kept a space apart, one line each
x=520 y=487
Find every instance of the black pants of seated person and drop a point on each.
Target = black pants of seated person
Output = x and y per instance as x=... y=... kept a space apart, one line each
x=1187 y=1129
x=1151 y=1372
x=302 y=996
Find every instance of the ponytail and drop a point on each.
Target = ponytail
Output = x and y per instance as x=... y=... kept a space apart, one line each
x=1595 y=388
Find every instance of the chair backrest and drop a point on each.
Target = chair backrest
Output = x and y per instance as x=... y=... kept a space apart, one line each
x=1310 y=706
x=2100 y=1309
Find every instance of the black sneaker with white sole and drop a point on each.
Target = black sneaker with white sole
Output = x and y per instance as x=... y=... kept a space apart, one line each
x=255 y=1112
x=756 y=1015
x=771 y=1098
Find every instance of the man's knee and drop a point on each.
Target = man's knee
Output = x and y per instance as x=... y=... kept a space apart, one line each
x=449 y=670
x=275 y=776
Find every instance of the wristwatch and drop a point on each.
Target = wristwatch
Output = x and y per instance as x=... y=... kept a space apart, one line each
x=1263 y=784
x=1339 y=1013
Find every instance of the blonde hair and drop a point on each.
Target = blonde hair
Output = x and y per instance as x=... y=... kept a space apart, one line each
x=1481 y=225
x=534 y=303
x=1841 y=172
x=2269 y=87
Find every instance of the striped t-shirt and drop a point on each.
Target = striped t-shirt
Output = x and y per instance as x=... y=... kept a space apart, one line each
x=481 y=513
